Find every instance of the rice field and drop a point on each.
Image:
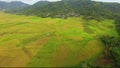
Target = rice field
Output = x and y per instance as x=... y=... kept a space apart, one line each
x=29 y=41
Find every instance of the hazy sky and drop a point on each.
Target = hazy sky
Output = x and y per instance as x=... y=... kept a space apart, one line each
x=27 y=1
x=109 y=0
x=33 y=1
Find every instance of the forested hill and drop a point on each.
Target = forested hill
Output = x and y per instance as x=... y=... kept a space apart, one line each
x=12 y=5
x=73 y=8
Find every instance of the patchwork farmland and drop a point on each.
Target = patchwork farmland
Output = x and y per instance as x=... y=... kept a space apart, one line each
x=29 y=41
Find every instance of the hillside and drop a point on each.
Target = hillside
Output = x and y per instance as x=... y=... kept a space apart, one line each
x=51 y=42
x=73 y=8
x=66 y=33
x=12 y=5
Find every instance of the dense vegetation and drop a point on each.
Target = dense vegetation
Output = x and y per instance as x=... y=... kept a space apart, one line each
x=117 y=23
x=112 y=47
x=110 y=57
x=73 y=8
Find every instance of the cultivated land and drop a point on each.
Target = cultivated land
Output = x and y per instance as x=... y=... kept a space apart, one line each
x=34 y=41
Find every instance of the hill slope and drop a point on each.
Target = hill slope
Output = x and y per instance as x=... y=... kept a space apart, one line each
x=12 y=5
x=73 y=8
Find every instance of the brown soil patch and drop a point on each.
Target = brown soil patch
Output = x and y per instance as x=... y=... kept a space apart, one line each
x=102 y=61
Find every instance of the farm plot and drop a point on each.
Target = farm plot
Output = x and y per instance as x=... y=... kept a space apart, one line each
x=46 y=42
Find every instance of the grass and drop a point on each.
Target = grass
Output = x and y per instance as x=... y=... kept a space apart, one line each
x=51 y=42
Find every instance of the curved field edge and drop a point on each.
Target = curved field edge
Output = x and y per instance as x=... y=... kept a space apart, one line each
x=48 y=42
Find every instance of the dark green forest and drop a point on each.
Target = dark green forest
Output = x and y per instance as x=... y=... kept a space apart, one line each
x=72 y=8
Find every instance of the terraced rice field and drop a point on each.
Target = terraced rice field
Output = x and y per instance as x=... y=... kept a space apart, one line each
x=46 y=42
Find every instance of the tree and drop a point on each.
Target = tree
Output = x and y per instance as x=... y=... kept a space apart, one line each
x=112 y=49
x=117 y=22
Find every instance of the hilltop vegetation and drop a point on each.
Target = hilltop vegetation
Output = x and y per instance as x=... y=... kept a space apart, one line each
x=73 y=8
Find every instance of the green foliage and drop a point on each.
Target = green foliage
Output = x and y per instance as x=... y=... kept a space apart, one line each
x=73 y=8
x=116 y=56
x=112 y=49
x=117 y=22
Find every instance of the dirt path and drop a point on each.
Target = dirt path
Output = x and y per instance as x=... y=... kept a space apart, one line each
x=27 y=52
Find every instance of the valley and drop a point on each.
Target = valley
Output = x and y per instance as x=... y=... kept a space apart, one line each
x=30 y=41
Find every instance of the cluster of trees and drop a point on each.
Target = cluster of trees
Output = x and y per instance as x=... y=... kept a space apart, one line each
x=117 y=23
x=72 y=8
x=112 y=46
x=112 y=49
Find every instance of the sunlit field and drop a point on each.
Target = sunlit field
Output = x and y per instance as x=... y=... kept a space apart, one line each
x=50 y=42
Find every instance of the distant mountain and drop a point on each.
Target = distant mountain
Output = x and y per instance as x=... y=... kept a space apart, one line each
x=73 y=8
x=31 y=10
x=12 y=5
